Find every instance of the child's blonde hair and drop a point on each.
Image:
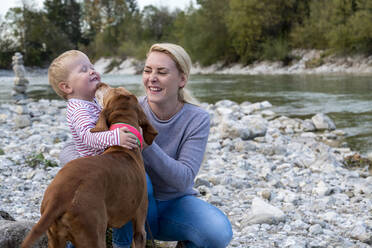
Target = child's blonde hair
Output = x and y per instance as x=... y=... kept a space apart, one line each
x=183 y=63
x=58 y=71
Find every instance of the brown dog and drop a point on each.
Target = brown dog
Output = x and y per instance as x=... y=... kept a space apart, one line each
x=92 y=193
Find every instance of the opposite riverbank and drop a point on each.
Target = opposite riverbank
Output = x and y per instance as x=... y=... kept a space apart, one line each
x=304 y=62
x=282 y=182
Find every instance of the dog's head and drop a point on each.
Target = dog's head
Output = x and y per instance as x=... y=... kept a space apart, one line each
x=119 y=105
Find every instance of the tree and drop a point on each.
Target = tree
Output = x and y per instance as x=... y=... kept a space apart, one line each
x=66 y=15
x=7 y=46
x=350 y=33
x=203 y=32
x=256 y=25
x=34 y=35
x=157 y=23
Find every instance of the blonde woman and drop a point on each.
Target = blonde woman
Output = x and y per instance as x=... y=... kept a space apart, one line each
x=173 y=160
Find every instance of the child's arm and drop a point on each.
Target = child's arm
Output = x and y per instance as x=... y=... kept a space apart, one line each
x=82 y=123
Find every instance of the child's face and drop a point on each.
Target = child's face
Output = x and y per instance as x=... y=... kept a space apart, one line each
x=83 y=78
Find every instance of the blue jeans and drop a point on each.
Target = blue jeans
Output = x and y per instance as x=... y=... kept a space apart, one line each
x=186 y=218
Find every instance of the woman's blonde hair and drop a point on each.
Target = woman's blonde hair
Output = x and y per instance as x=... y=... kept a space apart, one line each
x=183 y=63
x=59 y=72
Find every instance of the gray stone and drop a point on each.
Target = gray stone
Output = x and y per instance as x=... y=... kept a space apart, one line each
x=308 y=126
x=5 y=216
x=22 y=121
x=361 y=233
x=21 y=109
x=262 y=212
x=256 y=125
x=12 y=234
x=316 y=229
x=322 y=122
x=201 y=181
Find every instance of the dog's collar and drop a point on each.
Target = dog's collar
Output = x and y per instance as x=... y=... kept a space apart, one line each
x=132 y=130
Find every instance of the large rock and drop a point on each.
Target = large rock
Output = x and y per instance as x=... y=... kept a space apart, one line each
x=256 y=125
x=323 y=122
x=262 y=212
x=22 y=121
x=231 y=129
x=12 y=234
x=361 y=233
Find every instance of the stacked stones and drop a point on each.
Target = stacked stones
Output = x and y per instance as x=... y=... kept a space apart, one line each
x=19 y=92
x=20 y=82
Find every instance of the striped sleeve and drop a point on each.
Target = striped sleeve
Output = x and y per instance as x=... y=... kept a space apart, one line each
x=81 y=121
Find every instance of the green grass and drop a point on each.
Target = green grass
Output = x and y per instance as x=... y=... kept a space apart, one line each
x=39 y=159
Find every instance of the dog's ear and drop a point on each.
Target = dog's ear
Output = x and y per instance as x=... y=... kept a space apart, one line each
x=148 y=130
x=101 y=123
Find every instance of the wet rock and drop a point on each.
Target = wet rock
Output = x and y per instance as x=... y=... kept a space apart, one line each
x=322 y=122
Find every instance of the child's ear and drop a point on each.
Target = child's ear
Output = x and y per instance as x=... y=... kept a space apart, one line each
x=65 y=87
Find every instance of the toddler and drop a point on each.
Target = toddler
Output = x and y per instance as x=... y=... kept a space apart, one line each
x=74 y=78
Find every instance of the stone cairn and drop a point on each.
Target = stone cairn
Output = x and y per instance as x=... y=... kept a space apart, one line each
x=20 y=82
x=19 y=92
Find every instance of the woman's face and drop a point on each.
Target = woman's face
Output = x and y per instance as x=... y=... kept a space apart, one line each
x=162 y=79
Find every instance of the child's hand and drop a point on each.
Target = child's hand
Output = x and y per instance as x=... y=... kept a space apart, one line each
x=127 y=140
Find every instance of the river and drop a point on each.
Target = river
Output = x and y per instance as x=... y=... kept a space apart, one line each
x=347 y=99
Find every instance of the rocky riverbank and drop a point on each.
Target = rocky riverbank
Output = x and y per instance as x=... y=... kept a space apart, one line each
x=303 y=62
x=282 y=182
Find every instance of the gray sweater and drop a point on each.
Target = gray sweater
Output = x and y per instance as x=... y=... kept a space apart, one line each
x=174 y=158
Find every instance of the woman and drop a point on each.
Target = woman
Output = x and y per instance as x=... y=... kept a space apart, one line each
x=173 y=160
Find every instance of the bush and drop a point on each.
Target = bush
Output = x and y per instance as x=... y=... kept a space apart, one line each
x=275 y=50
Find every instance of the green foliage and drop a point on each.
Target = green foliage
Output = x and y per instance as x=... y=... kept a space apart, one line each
x=2 y=152
x=213 y=31
x=65 y=15
x=134 y=49
x=39 y=159
x=254 y=25
x=276 y=50
x=313 y=63
x=203 y=32
x=157 y=23
x=339 y=25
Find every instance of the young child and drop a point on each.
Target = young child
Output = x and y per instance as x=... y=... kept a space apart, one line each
x=74 y=78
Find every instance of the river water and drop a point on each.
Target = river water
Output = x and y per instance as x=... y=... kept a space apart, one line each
x=346 y=99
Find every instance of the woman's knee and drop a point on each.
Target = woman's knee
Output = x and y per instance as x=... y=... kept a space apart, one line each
x=209 y=226
x=219 y=233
